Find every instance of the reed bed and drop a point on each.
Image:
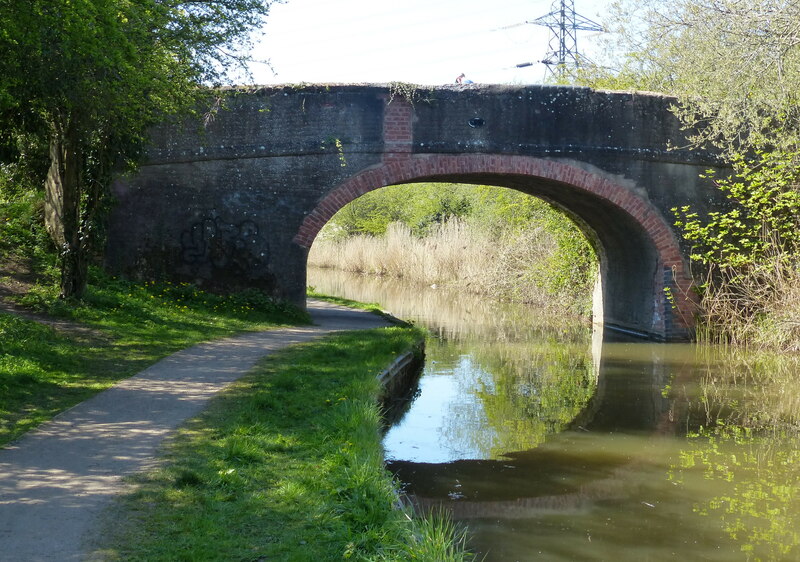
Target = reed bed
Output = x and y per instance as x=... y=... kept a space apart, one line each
x=507 y=266
x=758 y=307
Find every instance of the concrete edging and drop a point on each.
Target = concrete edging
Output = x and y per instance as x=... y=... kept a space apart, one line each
x=395 y=378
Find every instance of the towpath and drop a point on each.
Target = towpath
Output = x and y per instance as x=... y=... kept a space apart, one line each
x=56 y=480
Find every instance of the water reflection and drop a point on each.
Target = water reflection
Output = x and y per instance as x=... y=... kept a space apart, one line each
x=498 y=378
x=554 y=448
x=744 y=437
x=451 y=315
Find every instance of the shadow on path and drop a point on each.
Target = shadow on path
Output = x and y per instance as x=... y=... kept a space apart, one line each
x=56 y=480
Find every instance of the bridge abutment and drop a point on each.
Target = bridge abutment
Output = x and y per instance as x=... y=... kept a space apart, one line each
x=239 y=203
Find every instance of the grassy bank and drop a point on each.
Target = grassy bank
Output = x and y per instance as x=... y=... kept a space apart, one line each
x=286 y=465
x=62 y=352
x=117 y=330
x=524 y=265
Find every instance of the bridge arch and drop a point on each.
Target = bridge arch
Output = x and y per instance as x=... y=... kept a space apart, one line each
x=238 y=204
x=644 y=282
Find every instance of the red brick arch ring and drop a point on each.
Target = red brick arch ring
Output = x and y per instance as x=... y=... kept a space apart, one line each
x=409 y=168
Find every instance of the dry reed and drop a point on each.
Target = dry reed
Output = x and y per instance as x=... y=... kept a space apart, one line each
x=758 y=307
x=457 y=254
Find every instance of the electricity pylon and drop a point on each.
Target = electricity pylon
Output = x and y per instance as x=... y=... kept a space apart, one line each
x=564 y=25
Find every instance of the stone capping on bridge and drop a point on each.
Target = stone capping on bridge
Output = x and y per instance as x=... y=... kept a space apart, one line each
x=409 y=167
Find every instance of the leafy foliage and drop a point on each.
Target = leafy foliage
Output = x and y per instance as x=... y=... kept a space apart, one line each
x=734 y=68
x=22 y=233
x=418 y=206
x=86 y=78
x=764 y=220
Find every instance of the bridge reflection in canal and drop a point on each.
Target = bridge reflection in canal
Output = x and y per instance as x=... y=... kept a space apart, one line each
x=553 y=444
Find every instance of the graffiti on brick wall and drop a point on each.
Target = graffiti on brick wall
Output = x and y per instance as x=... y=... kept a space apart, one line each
x=238 y=248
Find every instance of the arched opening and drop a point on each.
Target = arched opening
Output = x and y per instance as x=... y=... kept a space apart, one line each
x=466 y=241
x=644 y=285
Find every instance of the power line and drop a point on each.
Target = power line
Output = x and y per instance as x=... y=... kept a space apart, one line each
x=313 y=46
x=440 y=47
x=564 y=24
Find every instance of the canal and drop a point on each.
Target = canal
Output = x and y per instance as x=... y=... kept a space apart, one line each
x=551 y=441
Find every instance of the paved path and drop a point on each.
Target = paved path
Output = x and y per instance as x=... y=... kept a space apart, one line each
x=56 y=480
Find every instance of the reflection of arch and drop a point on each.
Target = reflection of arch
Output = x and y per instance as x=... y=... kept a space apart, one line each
x=639 y=253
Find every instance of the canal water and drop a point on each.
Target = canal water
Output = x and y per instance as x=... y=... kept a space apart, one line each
x=550 y=441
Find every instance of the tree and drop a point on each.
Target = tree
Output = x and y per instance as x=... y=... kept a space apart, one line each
x=90 y=77
x=733 y=64
x=734 y=67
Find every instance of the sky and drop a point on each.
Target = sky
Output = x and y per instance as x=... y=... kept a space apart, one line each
x=426 y=42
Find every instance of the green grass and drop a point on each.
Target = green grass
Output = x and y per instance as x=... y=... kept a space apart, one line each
x=44 y=371
x=286 y=465
x=21 y=229
x=312 y=293
x=130 y=326
x=375 y=308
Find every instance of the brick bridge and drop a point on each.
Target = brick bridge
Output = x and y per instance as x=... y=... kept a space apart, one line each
x=238 y=202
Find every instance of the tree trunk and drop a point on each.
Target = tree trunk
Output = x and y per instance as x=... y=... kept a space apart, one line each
x=63 y=209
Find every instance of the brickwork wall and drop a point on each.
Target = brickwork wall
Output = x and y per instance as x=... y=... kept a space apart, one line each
x=238 y=203
x=397 y=129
